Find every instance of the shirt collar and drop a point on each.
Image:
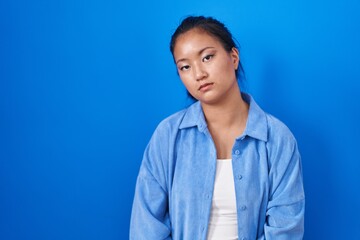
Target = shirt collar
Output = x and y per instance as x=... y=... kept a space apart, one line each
x=194 y=116
x=256 y=124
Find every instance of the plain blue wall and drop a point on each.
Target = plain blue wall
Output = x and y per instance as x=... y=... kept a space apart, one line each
x=84 y=83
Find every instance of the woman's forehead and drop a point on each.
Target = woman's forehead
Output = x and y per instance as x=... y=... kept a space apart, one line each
x=195 y=34
x=194 y=41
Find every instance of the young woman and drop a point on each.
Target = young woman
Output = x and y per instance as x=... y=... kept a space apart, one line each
x=222 y=168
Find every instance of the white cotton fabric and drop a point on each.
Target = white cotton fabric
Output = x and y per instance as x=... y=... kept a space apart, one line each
x=223 y=215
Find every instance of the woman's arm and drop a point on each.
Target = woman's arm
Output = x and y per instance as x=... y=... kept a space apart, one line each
x=149 y=217
x=286 y=206
x=150 y=214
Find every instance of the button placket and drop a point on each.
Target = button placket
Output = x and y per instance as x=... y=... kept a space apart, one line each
x=243 y=208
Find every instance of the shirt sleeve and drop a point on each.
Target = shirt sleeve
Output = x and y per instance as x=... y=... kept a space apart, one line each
x=150 y=215
x=286 y=206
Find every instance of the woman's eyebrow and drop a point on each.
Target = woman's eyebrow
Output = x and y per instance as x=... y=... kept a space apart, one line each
x=200 y=52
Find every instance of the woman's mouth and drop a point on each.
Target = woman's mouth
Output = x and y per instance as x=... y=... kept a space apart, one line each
x=206 y=86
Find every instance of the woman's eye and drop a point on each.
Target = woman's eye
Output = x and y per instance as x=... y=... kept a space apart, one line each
x=186 y=67
x=208 y=57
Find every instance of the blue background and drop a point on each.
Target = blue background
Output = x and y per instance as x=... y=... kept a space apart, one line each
x=83 y=84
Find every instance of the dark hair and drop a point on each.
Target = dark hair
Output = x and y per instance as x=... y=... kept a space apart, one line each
x=212 y=27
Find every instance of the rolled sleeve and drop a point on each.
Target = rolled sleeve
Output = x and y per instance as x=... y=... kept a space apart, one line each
x=150 y=214
x=149 y=218
x=286 y=206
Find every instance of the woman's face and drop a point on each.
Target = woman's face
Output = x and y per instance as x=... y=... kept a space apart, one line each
x=205 y=67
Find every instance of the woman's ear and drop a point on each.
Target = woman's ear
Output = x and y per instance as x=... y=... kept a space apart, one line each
x=235 y=57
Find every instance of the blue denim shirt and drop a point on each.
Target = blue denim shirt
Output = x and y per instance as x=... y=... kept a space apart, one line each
x=175 y=184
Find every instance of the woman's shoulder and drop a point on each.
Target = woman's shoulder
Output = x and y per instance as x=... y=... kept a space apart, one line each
x=265 y=126
x=276 y=125
x=173 y=122
x=278 y=129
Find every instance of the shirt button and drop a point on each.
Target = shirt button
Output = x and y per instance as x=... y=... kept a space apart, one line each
x=239 y=177
x=237 y=152
x=244 y=238
x=243 y=208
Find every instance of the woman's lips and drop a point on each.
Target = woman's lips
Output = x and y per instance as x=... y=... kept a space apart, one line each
x=204 y=87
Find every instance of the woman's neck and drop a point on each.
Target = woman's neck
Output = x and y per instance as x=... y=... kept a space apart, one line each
x=232 y=112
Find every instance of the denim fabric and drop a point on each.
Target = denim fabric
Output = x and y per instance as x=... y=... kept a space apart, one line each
x=176 y=179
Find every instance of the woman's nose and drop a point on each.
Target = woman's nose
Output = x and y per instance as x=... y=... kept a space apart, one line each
x=200 y=73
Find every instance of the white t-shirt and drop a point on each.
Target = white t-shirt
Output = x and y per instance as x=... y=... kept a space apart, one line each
x=223 y=215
